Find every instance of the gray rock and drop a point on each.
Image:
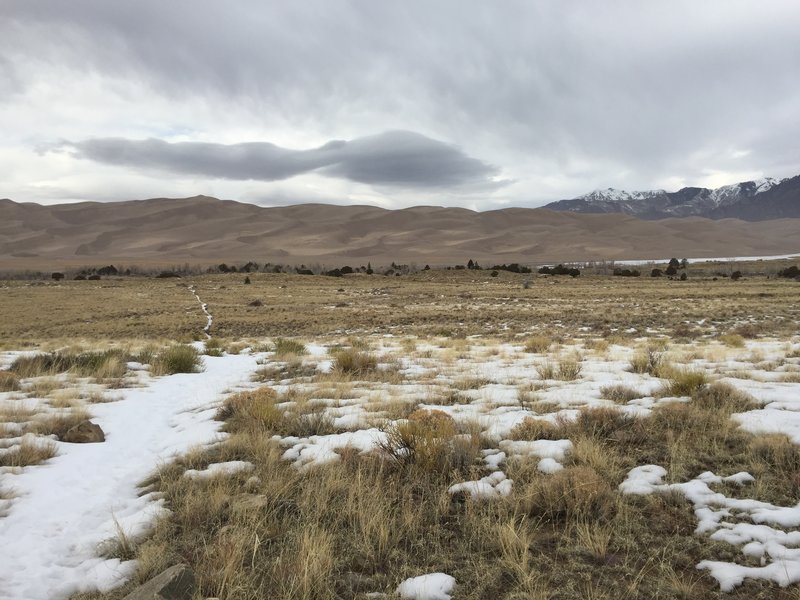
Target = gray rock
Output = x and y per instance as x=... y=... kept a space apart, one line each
x=176 y=583
x=84 y=432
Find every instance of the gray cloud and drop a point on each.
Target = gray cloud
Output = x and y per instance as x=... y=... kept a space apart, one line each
x=564 y=96
x=394 y=158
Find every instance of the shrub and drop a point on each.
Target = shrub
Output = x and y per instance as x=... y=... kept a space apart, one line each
x=546 y=370
x=214 y=347
x=648 y=360
x=177 y=359
x=537 y=344
x=684 y=382
x=734 y=340
x=789 y=272
x=721 y=396
x=428 y=441
x=619 y=393
x=284 y=347
x=569 y=369
x=656 y=273
x=354 y=362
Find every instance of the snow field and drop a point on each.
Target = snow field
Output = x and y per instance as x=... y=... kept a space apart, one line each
x=499 y=387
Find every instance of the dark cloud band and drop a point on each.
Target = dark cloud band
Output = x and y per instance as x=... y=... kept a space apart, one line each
x=395 y=158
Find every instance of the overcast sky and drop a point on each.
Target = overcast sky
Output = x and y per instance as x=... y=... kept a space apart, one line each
x=475 y=104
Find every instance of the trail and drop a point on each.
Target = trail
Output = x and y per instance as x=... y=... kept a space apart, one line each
x=67 y=508
x=204 y=308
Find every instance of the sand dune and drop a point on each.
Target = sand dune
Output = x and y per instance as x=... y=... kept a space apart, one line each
x=207 y=230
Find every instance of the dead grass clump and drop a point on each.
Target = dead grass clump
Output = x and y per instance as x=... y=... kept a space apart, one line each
x=621 y=394
x=650 y=360
x=749 y=330
x=537 y=344
x=180 y=358
x=354 y=362
x=530 y=429
x=29 y=452
x=428 y=441
x=724 y=397
x=286 y=347
x=777 y=451
x=546 y=370
x=732 y=340
x=569 y=368
x=603 y=423
x=471 y=383
x=214 y=347
x=251 y=410
x=598 y=455
x=683 y=382
x=104 y=364
x=57 y=424
x=9 y=382
x=572 y=494
x=293 y=368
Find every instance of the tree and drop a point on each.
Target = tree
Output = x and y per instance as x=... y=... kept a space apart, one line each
x=673 y=262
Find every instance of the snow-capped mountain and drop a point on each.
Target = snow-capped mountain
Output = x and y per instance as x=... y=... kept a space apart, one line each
x=763 y=199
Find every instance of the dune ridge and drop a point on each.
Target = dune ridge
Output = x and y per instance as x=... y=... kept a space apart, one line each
x=202 y=229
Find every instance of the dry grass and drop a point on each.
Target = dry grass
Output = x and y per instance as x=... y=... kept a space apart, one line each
x=136 y=308
x=621 y=394
x=9 y=382
x=283 y=348
x=101 y=364
x=180 y=358
x=536 y=429
x=28 y=452
x=537 y=344
x=354 y=362
x=684 y=382
x=57 y=424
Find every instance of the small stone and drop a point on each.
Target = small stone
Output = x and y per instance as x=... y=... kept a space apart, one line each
x=84 y=432
x=176 y=583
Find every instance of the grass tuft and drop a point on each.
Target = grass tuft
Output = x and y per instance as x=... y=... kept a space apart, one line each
x=180 y=358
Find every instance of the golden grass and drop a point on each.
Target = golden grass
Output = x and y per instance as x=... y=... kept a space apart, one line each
x=179 y=358
x=9 y=382
x=28 y=452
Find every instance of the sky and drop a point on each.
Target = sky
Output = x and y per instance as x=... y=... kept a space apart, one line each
x=482 y=105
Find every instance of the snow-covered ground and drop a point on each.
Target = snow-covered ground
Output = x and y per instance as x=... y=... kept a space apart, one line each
x=66 y=509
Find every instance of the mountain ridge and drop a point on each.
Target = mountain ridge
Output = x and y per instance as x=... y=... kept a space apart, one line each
x=759 y=200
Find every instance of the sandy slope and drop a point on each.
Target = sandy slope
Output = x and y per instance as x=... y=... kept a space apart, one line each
x=204 y=229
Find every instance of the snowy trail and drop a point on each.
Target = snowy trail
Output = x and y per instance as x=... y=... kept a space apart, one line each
x=66 y=508
x=204 y=308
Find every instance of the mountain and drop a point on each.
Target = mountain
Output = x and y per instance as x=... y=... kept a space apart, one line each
x=205 y=230
x=760 y=200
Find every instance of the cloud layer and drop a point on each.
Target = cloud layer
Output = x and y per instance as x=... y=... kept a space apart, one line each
x=557 y=98
x=394 y=158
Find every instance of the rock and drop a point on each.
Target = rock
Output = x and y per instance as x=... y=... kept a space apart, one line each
x=176 y=583
x=84 y=432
